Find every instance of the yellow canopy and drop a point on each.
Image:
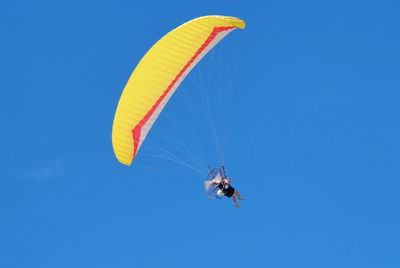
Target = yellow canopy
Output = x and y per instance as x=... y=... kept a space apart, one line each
x=158 y=75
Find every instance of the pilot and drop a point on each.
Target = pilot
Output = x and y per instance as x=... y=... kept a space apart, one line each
x=225 y=189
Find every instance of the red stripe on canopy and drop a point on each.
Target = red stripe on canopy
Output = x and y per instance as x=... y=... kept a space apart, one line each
x=136 y=131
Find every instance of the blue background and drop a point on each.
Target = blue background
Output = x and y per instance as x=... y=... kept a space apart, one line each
x=313 y=144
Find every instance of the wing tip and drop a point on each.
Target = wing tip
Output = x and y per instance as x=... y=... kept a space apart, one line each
x=125 y=161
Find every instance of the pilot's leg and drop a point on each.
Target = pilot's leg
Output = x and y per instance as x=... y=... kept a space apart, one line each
x=238 y=195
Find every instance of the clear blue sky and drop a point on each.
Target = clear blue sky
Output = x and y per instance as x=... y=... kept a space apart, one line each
x=313 y=144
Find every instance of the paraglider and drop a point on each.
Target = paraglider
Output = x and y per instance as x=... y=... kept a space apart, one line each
x=218 y=184
x=157 y=76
